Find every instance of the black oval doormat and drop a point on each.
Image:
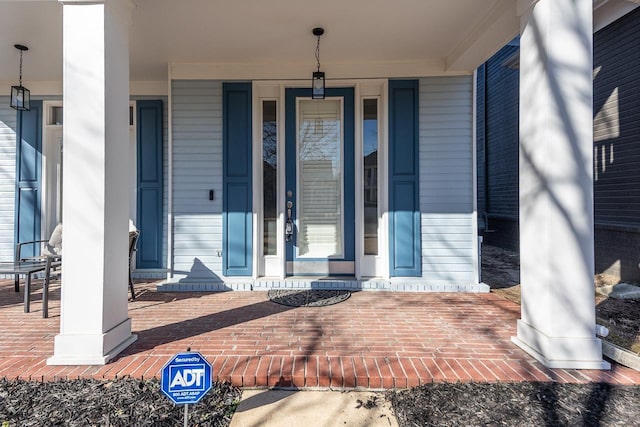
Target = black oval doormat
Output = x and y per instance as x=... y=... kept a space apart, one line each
x=308 y=297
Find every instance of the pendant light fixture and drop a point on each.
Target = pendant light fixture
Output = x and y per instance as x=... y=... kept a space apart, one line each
x=317 y=83
x=20 y=95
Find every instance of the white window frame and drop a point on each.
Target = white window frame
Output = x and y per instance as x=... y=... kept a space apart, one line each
x=49 y=131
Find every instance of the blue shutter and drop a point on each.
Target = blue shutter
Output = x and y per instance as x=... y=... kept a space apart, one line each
x=28 y=177
x=237 y=234
x=149 y=182
x=404 y=212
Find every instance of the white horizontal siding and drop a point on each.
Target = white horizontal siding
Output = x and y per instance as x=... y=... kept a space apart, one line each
x=197 y=168
x=7 y=178
x=197 y=242
x=446 y=179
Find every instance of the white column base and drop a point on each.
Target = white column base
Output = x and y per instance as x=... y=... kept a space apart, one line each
x=560 y=352
x=92 y=349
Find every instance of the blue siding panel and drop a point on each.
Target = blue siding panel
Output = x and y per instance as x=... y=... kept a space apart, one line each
x=29 y=176
x=404 y=218
x=502 y=133
x=237 y=205
x=616 y=96
x=497 y=147
x=150 y=183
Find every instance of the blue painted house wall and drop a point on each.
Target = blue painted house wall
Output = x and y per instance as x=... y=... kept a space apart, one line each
x=497 y=144
x=438 y=151
x=616 y=148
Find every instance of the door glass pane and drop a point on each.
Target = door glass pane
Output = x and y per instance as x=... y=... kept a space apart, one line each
x=370 y=178
x=269 y=176
x=320 y=205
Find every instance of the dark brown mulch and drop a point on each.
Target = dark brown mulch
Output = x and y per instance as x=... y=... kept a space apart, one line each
x=501 y=271
x=517 y=404
x=123 y=402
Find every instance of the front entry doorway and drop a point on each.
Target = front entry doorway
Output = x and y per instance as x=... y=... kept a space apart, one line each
x=319 y=193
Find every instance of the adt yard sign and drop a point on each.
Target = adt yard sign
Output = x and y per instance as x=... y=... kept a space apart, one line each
x=186 y=378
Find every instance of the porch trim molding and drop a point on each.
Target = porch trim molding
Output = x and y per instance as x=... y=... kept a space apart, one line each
x=499 y=23
x=54 y=88
x=257 y=71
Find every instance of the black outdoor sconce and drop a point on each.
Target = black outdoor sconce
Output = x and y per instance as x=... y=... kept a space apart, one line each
x=317 y=84
x=20 y=95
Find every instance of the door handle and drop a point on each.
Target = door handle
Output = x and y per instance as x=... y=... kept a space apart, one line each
x=288 y=226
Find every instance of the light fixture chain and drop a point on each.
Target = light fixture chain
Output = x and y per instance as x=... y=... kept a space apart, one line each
x=318 y=53
x=21 y=68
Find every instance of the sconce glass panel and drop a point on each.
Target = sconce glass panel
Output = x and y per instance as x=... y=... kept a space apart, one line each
x=317 y=88
x=20 y=98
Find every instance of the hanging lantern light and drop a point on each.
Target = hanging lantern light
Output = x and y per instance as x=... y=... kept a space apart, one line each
x=317 y=82
x=20 y=95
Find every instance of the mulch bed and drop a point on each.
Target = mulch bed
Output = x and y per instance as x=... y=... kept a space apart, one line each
x=122 y=402
x=130 y=402
x=501 y=271
x=517 y=404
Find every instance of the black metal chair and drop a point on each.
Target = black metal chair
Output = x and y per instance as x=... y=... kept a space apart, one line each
x=133 y=242
x=49 y=250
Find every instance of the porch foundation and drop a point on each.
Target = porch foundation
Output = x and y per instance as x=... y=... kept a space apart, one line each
x=265 y=284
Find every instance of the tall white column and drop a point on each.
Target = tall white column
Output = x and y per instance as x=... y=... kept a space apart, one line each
x=556 y=187
x=94 y=322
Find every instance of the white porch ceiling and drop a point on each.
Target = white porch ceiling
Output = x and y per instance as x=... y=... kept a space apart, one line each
x=269 y=32
x=455 y=35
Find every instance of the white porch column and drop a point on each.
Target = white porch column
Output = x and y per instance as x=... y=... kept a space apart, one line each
x=556 y=187
x=94 y=323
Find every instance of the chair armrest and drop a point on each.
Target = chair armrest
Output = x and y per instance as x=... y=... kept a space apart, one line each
x=21 y=244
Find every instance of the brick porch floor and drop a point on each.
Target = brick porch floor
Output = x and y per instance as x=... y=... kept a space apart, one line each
x=373 y=340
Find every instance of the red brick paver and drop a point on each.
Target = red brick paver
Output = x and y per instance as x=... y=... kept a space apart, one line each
x=372 y=340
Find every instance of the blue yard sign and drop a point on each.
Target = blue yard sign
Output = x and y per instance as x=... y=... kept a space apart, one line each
x=186 y=378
